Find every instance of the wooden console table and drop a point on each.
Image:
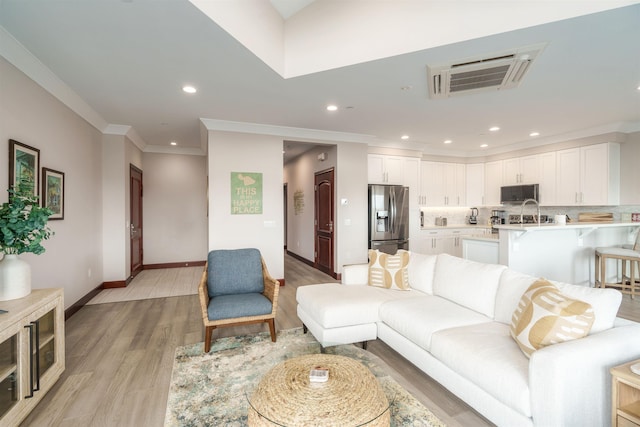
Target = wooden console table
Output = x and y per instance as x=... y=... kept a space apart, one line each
x=625 y=396
x=31 y=351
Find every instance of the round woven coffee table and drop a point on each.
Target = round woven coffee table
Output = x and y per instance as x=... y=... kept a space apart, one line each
x=351 y=397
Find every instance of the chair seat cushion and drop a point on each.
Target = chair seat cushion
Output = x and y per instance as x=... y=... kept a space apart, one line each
x=241 y=305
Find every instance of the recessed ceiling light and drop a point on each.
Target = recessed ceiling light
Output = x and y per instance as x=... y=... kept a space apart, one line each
x=332 y=107
x=404 y=137
x=448 y=141
x=494 y=129
x=484 y=145
x=189 y=89
x=534 y=134
x=173 y=143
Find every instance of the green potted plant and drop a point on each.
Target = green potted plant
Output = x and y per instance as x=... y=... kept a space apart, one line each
x=23 y=227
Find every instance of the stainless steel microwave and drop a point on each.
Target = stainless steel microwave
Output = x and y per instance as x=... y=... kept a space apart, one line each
x=519 y=193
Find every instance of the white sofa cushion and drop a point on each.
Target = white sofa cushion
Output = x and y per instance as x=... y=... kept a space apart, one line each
x=486 y=355
x=511 y=287
x=468 y=283
x=335 y=305
x=421 y=270
x=605 y=303
x=419 y=317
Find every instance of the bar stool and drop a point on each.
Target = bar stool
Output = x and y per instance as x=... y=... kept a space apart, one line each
x=632 y=255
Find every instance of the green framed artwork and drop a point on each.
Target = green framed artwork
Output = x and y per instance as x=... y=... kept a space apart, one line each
x=246 y=193
x=53 y=192
x=24 y=168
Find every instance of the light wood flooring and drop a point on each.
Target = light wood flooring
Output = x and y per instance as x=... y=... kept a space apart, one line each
x=155 y=283
x=120 y=357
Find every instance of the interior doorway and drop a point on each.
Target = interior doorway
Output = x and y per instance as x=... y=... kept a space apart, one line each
x=324 y=221
x=135 y=207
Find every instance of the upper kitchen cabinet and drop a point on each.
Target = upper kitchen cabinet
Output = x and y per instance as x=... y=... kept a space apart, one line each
x=547 y=180
x=385 y=169
x=588 y=176
x=443 y=184
x=521 y=170
x=475 y=184
x=492 y=182
x=536 y=169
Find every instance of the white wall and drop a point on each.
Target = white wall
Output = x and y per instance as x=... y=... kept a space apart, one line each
x=175 y=208
x=351 y=219
x=630 y=170
x=114 y=227
x=68 y=144
x=238 y=152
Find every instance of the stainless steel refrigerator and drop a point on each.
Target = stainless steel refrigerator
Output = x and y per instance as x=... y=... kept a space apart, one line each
x=388 y=218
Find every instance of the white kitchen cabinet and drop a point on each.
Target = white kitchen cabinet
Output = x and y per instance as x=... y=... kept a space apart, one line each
x=547 y=179
x=443 y=184
x=521 y=170
x=31 y=351
x=493 y=172
x=474 y=184
x=588 y=176
x=444 y=240
x=385 y=169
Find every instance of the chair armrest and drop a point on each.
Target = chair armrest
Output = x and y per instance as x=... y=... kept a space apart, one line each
x=271 y=288
x=203 y=294
x=355 y=274
x=570 y=383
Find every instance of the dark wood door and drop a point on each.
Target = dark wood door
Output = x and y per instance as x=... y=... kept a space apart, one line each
x=136 y=219
x=324 y=221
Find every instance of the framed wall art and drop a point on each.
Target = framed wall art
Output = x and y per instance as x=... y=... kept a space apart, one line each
x=24 y=168
x=53 y=192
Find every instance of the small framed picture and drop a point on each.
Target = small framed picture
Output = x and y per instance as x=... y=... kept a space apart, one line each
x=53 y=192
x=24 y=168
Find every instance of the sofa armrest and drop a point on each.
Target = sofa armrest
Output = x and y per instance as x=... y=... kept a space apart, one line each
x=355 y=274
x=570 y=383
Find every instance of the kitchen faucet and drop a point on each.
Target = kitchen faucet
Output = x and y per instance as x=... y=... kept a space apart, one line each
x=522 y=210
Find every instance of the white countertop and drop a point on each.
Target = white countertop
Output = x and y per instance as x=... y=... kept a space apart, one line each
x=570 y=225
x=493 y=238
x=455 y=226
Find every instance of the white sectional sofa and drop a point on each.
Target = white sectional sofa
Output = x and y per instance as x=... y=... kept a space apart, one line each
x=454 y=325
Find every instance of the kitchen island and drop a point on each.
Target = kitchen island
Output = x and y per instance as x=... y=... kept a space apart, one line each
x=481 y=248
x=561 y=252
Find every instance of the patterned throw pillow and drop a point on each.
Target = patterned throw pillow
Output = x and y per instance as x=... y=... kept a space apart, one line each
x=389 y=271
x=545 y=316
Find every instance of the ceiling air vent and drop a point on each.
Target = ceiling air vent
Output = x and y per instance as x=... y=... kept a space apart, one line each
x=494 y=72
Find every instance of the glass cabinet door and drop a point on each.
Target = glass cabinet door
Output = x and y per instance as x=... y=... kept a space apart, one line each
x=46 y=357
x=8 y=374
x=41 y=348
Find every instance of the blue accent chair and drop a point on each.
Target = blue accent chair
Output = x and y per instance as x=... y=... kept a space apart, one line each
x=235 y=289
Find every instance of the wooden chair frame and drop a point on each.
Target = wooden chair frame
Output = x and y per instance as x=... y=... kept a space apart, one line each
x=271 y=290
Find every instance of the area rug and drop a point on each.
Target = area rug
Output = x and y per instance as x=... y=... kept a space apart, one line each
x=212 y=389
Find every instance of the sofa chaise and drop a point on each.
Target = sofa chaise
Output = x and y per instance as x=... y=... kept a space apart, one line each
x=453 y=322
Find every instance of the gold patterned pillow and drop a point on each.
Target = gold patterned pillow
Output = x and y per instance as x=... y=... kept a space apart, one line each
x=389 y=271
x=545 y=316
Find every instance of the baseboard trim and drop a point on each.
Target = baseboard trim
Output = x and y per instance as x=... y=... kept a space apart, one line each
x=281 y=281
x=114 y=284
x=174 y=265
x=73 y=309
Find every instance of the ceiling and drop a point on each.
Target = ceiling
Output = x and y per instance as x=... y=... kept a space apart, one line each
x=121 y=64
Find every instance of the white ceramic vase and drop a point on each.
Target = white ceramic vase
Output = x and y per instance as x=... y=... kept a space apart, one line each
x=15 y=278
